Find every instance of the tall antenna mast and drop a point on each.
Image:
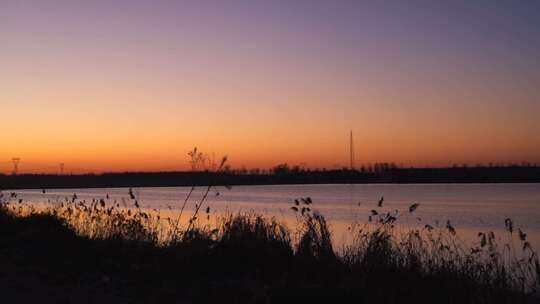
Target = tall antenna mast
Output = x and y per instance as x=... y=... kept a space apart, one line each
x=15 y=161
x=351 y=151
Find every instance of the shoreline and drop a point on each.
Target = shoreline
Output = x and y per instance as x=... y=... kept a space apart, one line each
x=174 y=185
x=183 y=179
x=98 y=252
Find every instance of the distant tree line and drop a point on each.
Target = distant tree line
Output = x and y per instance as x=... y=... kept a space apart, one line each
x=281 y=174
x=375 y=168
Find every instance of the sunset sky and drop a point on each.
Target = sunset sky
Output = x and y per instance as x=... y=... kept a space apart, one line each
x=133 y=85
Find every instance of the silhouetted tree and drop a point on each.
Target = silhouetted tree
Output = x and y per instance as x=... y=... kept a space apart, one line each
x=281 y=169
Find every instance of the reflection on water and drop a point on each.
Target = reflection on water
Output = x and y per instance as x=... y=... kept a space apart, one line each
x=470 y=207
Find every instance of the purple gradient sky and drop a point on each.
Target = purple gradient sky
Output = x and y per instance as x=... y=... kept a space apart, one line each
x=118 y=85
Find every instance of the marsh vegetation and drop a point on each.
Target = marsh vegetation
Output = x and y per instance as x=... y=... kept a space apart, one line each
x=141 y=255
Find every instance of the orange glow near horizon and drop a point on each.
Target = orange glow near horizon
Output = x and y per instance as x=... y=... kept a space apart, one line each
x=135 y=87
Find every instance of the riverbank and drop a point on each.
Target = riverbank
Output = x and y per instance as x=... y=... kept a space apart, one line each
x=77 y=253
x=234 y=178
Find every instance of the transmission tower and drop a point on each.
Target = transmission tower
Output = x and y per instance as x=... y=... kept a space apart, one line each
x=61 y=168
x=15 y=161
x=351 y=147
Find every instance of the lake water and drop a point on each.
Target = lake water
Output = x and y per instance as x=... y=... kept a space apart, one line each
x=469 y=207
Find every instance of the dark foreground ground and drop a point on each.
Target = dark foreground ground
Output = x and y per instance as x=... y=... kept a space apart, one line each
x=248 y=260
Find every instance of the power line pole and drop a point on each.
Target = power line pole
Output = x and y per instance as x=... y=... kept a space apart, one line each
x=351 y=146
x=15 y=161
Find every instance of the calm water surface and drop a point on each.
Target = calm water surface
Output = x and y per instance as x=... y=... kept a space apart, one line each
x=473 y=207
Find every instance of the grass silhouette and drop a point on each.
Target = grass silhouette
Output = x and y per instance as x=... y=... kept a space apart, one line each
x=142 y=257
